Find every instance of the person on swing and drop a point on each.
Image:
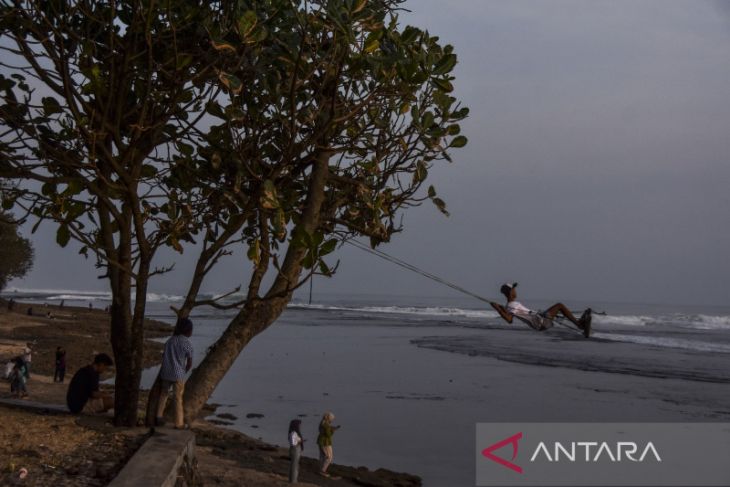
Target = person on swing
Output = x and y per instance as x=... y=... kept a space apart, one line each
x=539 y=320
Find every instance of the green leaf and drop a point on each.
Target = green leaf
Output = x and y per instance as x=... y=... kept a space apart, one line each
x=253 y=253
x=409 y=34
x=445 y=64
x=148 y=171
x=185 y=149
x=269 y=199
x=328 y=247
x=459 y=141
x=50 y=106
x=443 y=85
x=246 y=23
x=324 y=269
x=63 y=235
x=440 y=205
x=371 y=43
x=215 y=109
x=308 y=261
x=421 y=172
x=233 y=83
x=48 y=189
x=427 y=119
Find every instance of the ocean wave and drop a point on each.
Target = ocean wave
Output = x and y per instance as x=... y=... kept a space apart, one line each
x=665 y=342
x=702 y=322
x=401 y=310
x=712 y=322
x=76 y=295
x=626 y=320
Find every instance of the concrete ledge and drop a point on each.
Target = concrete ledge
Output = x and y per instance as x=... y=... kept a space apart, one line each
x=38 y=407
x=159 y=460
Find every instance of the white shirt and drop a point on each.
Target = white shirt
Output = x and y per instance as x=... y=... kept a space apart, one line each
x=294 y=439
x=518 y=309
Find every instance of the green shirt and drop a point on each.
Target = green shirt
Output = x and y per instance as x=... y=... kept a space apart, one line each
x=325 y=434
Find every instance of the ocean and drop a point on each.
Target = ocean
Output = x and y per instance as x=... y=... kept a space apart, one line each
x=409 y=377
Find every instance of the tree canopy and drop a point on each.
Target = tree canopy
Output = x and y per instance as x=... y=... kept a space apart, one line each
x=16 y=252
x=282 y=128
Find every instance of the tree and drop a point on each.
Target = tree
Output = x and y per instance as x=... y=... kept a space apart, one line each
x=327 y=133
x=100 y=99
x=16 y=252
x=284 y=128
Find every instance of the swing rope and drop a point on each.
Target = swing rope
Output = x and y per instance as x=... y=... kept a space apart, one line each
x=389 y=258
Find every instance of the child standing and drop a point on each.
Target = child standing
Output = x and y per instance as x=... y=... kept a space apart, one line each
x=296 y=445
x=18 y=378
x=60 y=372
x=27 y=358
x=324 y=441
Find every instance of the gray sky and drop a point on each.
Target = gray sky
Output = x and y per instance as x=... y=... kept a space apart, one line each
x=598 y=166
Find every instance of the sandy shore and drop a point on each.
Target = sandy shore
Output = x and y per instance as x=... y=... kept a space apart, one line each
x=80 y=451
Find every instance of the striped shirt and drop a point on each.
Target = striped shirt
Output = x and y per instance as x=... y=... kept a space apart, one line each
x=178 y=350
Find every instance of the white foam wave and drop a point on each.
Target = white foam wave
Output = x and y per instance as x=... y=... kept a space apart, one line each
x=665 y=342
x=76 y=295
x=626 y=320
x=712 y=322
x=702 y=322
x=403 y=310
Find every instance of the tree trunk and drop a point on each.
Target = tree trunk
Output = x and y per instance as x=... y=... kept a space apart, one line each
x=153 y=401
x=127 y=334
x=258 y=313
x=127 y=359
x=245 y=326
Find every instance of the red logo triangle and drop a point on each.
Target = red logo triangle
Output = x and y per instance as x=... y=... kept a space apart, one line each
x=514 y=441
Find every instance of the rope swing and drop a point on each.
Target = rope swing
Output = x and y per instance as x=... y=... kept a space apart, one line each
x=401 y=263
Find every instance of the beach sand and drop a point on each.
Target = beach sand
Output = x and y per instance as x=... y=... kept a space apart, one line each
x=65 y=450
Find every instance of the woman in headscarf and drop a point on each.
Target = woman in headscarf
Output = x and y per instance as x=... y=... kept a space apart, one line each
x=296 y=445
x=324 y=441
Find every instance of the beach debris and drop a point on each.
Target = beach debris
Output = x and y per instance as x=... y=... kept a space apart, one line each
x=227 y=416
x=22 y=473
x=220 y=422
x=252 y=415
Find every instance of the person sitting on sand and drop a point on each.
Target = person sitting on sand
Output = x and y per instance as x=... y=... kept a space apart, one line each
x=177 y=360
x=83 y=391
x=540 y=320
x=296 y=446
x=324 y=441
x=19 y=378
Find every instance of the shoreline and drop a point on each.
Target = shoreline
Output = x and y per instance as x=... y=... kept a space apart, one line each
x=226 y=457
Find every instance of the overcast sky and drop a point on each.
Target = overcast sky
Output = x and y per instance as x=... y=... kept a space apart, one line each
x=598 y=166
